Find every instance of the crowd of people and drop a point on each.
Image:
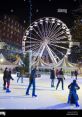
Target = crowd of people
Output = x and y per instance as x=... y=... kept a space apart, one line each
x=54 y=74
x=73 y=87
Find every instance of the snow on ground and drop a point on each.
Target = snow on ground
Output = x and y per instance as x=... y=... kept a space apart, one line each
x=47 y=97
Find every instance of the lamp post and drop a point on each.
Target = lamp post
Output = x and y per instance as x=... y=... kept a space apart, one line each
x=30 y=51
x=30 y=60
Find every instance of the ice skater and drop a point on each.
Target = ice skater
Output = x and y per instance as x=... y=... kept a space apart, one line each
x=52 y=77
x=76 y=73
x=5 y=75
x=32 y=82
x=73 y=97
x=8 y=78
x=60 y=78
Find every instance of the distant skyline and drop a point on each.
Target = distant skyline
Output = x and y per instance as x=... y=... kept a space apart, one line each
x=39 y=8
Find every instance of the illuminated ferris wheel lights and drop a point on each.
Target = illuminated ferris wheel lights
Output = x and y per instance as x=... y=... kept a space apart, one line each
x=35 y=23
x=23 y=43
x=49 y=35
x=23 y=49
x=58 y=21
x=41 y=21
x=67 y=33
x=62 y=32
x=27 y=33
x=71 y=44
x=31 y=27
x=58 y=24
x=68 y=51
x=53 y=20
x=24 y=38
x=63 y=27
x=67 y=30
x=69 y=37
x=46 y=19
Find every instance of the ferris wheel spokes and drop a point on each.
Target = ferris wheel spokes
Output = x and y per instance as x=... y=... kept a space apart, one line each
x=37 y=33
x=61 y=47
x=50 y=26
x=49 y=39
x=54 y=48
x=52 y=30
x=54 y=53
x=51 y=55
x=57 y=35
x=55 y=32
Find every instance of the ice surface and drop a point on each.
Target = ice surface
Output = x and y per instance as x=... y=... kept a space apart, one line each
x=47 y=97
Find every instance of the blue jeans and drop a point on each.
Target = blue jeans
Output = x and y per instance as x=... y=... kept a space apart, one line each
x=32 y=82
x=52 y=82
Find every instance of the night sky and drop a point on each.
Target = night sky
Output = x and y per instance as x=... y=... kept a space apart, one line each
x=39 y=9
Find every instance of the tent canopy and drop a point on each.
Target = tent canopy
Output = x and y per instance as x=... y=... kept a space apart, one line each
x=64 y=63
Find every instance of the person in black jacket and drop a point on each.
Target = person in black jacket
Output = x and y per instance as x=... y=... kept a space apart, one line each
x=52 y=77
x=73 y=97
x=32 y=82
x=76 y=73
x=8 y=80
x=5 y=75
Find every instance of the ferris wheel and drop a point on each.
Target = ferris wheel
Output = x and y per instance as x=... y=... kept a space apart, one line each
x=49 y=39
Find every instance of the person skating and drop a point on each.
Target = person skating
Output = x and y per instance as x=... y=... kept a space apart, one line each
x=60 y=78
x=73 y=97
x=9 y=77
x=52 y=77
x=76 y=73
x=32 y=82
x=57 y=72
x=5 y=75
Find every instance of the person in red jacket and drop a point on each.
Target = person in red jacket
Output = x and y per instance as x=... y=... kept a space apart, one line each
x=9 y=77
x=60 y=78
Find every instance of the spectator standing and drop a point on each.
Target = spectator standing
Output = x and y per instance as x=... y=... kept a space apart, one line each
x=52 y=77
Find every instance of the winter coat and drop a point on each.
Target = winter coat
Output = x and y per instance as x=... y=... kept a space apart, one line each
x=33 y=74
x=52 y=74
x=5 y=76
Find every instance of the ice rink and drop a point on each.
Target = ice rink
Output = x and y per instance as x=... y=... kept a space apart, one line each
x=47 y=97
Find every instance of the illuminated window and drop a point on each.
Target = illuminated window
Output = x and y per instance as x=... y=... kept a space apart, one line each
x=11 y=32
